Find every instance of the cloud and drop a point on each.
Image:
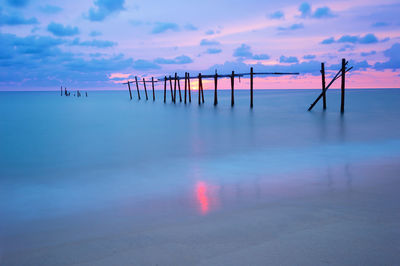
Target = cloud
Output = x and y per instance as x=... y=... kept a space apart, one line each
x=206 y=42
x=190 y=27
x=50 y=9
x=210 y=32
x=320 y=13
x=95 y=33
x=104 y=8
x=309 y=57
x=213 y=51
x=61 y=30
x=277 y=15
x=16 y=19
x=296 y=26
x=393 y=53
x=161 y=27
x=354 y=39
x=179 y=60
x=244 y=52
x=94 y=43
x=18 y=3
x=380 y=24
x=368 y=53
x=290 y=59
x=145 y=65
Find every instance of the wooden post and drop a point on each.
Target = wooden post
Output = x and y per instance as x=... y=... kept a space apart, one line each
x=152 y=86
x=61 y=90
x=179 y=88
x=343 y=84
x=129 y=87
x=170 y=85
x=165 y=89
x=323 y=85
x=137 y=87
x=199 y=88
x=215 y=89
x=185 y=85
x=145 y=90
x=233 y=89
x=175 y=87
x=251 y=87
x=190 y=96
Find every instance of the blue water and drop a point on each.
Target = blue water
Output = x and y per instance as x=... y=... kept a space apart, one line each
x=64 y=155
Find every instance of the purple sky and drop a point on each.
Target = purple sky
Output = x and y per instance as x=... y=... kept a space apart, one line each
x=96 y=44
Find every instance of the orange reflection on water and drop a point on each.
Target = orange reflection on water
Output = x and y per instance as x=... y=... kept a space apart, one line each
x=206 y=196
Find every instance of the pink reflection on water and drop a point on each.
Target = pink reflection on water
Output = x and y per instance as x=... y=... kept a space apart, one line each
x=206 y=197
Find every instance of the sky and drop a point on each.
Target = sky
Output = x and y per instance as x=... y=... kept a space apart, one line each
x=99 y=44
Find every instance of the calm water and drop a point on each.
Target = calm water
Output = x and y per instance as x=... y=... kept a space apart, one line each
x=61 y=156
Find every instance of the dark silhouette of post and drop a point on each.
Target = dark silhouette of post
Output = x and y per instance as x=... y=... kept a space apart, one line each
x=190 y=96
x=179 y=88
x=176 y=75
x=185 y=86
x=202 y=90
x=251 y=87
x=61 y=91
x=215 y=89
x=323 y=85
x=130 y=92
x=199 y=88
x=170 y=85
x=145 y=90
x=165 y=89
x=343 y=84
x=137 y=87
x=152 y=86
x=233 y=89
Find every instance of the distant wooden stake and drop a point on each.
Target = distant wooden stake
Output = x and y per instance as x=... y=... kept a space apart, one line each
x=179 y=88
x=61 y=91
x=202 y=90
x=343 y=84
x=185 y=85
x=190 y=96
x=130 y=92
x=145 y=90
x=152 y=86
x=137 y=87
x=170 y=85
x=215 y=89
x=233 y=89
x=251 y=87
x=199 y=88
x=176 y=75
x=165 y=89
x=323 y=85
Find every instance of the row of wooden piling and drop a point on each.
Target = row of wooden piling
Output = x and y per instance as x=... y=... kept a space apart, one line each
x=176 y=79
x=65 y=92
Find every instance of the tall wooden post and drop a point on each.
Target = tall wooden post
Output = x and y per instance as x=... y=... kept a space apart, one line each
x=175 y=87
x=233 y=89
x=129 y=87
x=215 y=89
x=61 y=91
x=137 y=87
x=190 y=96
x=343 y=84
x=145 y=90
x=251 y=87
x=185 y=86
x=165 y=89
x=152 y=86
x=179 y=88
x=170 y=86
x=323 y=85
x=199 y=88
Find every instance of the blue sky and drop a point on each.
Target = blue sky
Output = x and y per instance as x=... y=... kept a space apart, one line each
x=96 y=44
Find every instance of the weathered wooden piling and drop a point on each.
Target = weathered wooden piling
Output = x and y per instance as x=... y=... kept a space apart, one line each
x=215 y=89
x=199 y=88
x=343 y=84
x=145 y=90
x=190 y=96
x=176 y=76
x=165 y=89
x=323 y=85
x=137 y=87
x=179 y=88
x=129 y=87
x=152 y=86
x=185 y=86
x=251 y=87
x=61 y=91
x=202 y=90
x=233 y=89
x=170 y=85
